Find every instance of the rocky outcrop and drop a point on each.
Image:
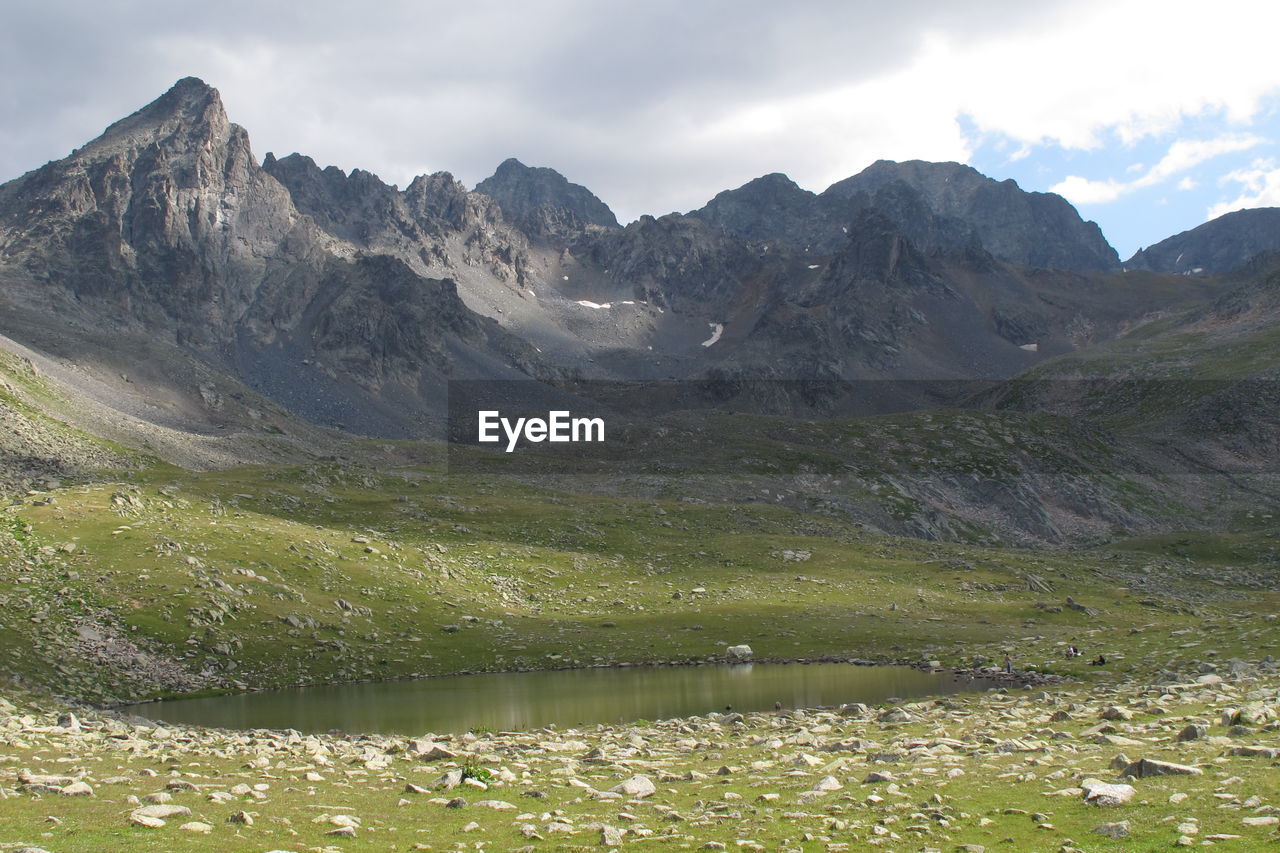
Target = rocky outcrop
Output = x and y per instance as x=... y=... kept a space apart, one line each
x=543 y=200
x=774 y=207
x=936 y=205
x=165 y=216
x=167 y=225
x=1222 y=244
x=1036 y=229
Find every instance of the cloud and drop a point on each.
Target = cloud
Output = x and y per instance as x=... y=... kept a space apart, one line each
x=1080 y=190
x=1261 y=188
x=1182 y=155
x=656 y=106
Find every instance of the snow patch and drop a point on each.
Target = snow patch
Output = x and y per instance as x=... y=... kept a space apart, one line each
x=814 y=266
x=1030 y=347
x=717 y=329
x=586 y=303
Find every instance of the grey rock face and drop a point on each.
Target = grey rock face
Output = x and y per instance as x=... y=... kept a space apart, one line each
x=166 y=213
x=773 y=207
x=1037 y=229
x=1225 y=243
x=166 y=223
x=544 y=199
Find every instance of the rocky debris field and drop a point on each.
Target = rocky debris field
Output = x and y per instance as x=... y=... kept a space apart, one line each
x=1119 y=766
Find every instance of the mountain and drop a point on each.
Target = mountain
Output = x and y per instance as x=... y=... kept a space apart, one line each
x=1036 y=229
x=165 y=226
x=1221 y=244
x=774 y=207
x=169 y=297
x=351 y=302
x=937 y=205
x=543 y=200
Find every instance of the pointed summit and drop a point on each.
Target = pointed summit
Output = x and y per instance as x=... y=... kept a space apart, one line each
x=773 y=207
x=189 y=105
x=522 y=191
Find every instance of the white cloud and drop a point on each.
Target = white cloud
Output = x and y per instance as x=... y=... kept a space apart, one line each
x=1182 y=155
x=1261 y=188
x=655 y=106
x=1080 y=190
x=1187 y=183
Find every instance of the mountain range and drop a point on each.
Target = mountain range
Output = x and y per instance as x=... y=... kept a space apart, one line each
x=165 y=249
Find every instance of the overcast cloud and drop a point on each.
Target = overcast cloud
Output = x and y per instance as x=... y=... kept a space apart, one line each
x=656 y=106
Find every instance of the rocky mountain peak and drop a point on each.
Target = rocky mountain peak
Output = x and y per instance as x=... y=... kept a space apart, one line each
x=1221 y=244
x=1032 y=228
x=773 y=207
x=535 y=196
x=190 y=109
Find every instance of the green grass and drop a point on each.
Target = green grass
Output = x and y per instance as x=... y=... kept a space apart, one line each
x=252 y=578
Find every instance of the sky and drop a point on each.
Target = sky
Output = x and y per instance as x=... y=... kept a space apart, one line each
x=1150 y=117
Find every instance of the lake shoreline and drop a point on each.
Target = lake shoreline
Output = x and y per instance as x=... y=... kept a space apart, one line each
x=983 y=678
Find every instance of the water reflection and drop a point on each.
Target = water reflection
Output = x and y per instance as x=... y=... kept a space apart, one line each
x=517 y=701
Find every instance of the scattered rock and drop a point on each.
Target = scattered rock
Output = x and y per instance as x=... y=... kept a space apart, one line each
x=1100 y=793
x=1147 y=767
x=1113 y=830
x=637 y=787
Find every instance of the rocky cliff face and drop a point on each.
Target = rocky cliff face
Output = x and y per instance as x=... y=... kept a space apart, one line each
x=1036 y=229
x=166 y=215
x=352 y=301
x=774 y=207
x=543 y=200
x=937 y=205
x=166 y=224
x=1225 y=243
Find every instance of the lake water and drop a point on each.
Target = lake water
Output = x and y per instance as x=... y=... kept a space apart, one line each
x=526 y=700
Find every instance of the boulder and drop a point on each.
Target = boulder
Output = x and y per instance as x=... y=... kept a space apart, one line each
x=636 y=787
x=1100 y=793
x=1144 y=767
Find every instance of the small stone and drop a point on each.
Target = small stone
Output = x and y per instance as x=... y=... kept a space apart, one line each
x=1146 y=767
x=1113 y=830
x=637 y=787
x=144 y=820
x=1192 y=732
x=163 y=811
x=197 y=827
x=1267 y=820
x=1099 y=793
x=241 y=817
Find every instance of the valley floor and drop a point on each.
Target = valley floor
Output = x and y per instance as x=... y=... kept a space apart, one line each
x=166 y=582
